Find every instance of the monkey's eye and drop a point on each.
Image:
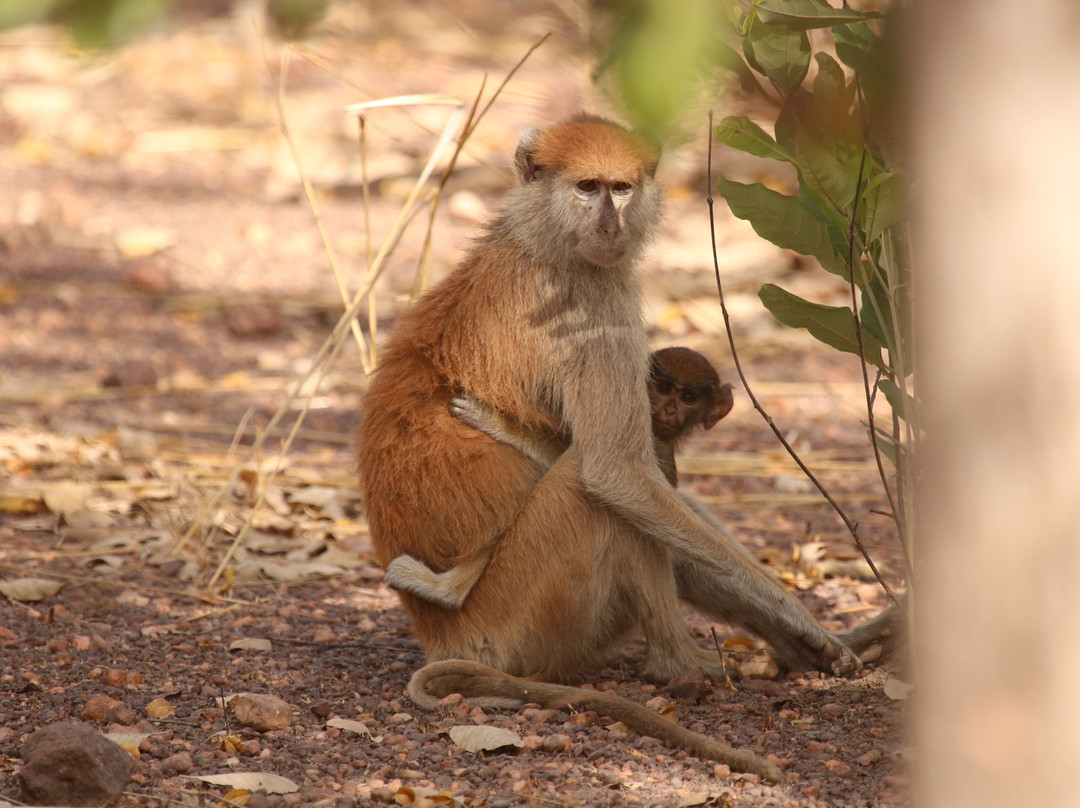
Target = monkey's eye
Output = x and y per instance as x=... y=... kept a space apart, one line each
x=688 y=397
x=622 y=188
x=588 y=186
x=663 y=387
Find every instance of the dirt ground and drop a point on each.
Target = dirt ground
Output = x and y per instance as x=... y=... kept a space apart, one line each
x=163 y=286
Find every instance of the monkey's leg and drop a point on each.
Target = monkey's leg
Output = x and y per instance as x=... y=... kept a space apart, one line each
x=722 y=598
x=671 y=651
x=869 y=641
x=568 y=583
x=448 y=588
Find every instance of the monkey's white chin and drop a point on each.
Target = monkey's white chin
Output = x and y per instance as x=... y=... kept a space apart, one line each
x=602 y=256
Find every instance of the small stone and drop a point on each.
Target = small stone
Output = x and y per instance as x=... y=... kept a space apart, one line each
x=180 y=763
x=98 y=707
x=322 y=708
x=122 y=714
x=261 y=712
x=870 y=758
x=71 y=764
x=383 y=794
x=692 y=686
x=834 y=710
x=556 y=743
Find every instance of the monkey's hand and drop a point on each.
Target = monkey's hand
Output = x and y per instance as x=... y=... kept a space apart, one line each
x=476 y=414
x=407 y=574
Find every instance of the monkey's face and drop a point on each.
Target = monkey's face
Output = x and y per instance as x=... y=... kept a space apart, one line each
x=591 y=194
x=676 y=409
x=602 y=235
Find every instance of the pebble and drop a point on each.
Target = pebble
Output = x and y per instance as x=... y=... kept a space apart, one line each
x=180 y=763
x=97 y=708
x=70 y=763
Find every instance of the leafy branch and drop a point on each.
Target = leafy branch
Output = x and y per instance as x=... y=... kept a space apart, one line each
x=848 y=212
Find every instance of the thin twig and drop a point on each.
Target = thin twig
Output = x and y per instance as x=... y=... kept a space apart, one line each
x=867 y=389
x=309 y=194
x=723 y=659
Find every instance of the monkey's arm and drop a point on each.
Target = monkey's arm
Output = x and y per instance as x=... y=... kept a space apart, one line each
x=450 y=588
x=618 y=467
x=541 y=446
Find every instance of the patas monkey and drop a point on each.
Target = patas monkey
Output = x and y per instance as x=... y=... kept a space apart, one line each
x=684 y=392
x=541 y=321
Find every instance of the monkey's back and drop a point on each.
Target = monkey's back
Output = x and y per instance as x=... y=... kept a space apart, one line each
x=434 y=487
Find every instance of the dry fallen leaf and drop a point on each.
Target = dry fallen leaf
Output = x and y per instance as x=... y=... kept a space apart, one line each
x=159 y=708
x=66 y=498
x=695 y=799
x=251 y=781
x=29 y=589
x=251 y=644
x=420 y=797
x=229 y=743
x=739 y=644
x=19 y=503
x=484 y=739
x=132 y=738
x=353 y=726
x=757 y=666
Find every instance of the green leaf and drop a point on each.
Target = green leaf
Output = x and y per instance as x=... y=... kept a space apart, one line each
x=830 y=81
x=805 y=14
x=783 y=220
x=884 y=203
x=873 y=301
x=832 y=325
x=900 y=401
x=828 y=167
x=887 y=444
x=866 y=53
x=779 y=53
x=741 y=133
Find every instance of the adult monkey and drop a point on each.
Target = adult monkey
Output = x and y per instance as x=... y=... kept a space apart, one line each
x=542 y=322
x=684 y=393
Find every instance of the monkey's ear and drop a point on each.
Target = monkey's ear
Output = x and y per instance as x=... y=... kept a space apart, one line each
x=721 y=406
x=527 y=168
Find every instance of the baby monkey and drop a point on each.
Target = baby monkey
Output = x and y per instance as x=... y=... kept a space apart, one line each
x=684 y=392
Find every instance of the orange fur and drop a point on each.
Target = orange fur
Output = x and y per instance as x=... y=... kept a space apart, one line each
x=588 y=149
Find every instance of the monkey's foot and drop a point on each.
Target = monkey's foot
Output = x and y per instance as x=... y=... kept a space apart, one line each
x=877 y=638
x=408 y=574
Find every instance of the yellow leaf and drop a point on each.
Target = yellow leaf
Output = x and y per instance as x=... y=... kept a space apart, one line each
x=739 y=644
x=15 y=503
x=159 y=708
